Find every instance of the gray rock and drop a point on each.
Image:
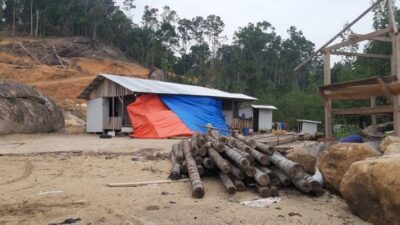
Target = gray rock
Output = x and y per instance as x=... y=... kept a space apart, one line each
x=26 y=110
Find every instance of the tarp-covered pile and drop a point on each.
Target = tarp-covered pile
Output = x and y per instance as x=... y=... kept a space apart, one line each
x=164 y=116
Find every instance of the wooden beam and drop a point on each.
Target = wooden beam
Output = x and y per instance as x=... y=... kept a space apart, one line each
x=337 y=35
x=359 y=38
x=392 y=19
x=385 y=90
x=373 y=105
x=378 y=38
x=361 y=92
x=377 y=56
x=367 y=81
x=363 y=111
x=328 y=103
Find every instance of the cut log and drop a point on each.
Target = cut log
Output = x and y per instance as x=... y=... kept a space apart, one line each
x=179 y=153
x=245 y=140
x=175 y=172
x=261 y=177
x=302 y=184
x=249 y=171
x=219 y=147
x=239 y=185
x=193 y=144
x=267 y=149
x=199 y=160
x=197 y=185
x=246 y=155
x=274 y=191
x=267 y=171
x=184 y=168
x=283 y=178
x=264 y=192
x=221 y=163
x=227 y=182
x=202 y=151
x=208 y=163
x=236 y=172
x=201 y=170
x=218 y=137
x=243 y=146
x=260 y=157
x=292 y=169
x=236 y=157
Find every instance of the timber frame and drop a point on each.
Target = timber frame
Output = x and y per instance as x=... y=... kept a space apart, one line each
x=367 y=89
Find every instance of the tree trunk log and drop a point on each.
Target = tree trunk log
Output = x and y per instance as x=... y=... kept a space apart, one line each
x=199 y=160
x=239 y=185
x=261 y=158
x=221 y=163
x=264 y=148
x=175 y=172
x=291 y=168
x=261 y=177
x=193 y=144
x=179 y=152
x=236 y=172
x=283 y=178
x=197 y=185
x=219 y=147
x=274 y=191
x=202 y=151
x=264 y=192
x=245 y=140
x=208 y=163
x=236 y=157
x=226 y=180
x=201 y=140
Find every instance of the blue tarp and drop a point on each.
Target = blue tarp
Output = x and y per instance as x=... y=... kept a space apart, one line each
x=355 y=138
x=197 y=111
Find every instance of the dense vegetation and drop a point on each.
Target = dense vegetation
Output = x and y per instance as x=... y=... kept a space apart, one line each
x=258 y=62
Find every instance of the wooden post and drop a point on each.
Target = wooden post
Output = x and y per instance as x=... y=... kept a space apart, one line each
x=396 y=72
x=373 y=117
x=328 y=103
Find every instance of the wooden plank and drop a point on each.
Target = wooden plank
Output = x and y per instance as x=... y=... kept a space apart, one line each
x=328 y=103
x=363 y=111
x=144 y=183
x=392 y=19
x=372 y=80
x=337 y=35
x=359 y=38
x=385 y=90
x=396 y=71
x=362 y=92
x=378 y=38
x=376 y=56
x=373 y=105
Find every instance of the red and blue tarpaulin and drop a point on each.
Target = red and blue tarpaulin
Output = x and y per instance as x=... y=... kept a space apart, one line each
x=150 y=118
x=197 y=111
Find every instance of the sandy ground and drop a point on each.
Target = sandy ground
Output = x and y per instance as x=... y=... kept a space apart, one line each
x=43 y=182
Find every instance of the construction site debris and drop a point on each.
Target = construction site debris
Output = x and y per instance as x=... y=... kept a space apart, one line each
x=241 y=164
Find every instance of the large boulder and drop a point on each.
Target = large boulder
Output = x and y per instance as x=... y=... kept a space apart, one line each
x=73 y=124
x=335 y=162
x=303 y=157
x=26 y=110
x=371 y=189
x=390 y=145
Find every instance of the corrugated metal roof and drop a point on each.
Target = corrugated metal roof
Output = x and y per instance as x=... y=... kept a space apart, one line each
x=160 y=87
x=264 y=107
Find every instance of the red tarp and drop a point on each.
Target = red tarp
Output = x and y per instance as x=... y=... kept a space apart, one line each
x=150 y=118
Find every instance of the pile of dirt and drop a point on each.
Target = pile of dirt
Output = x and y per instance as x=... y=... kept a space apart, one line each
x=334 y=164
x=35 y=63
x=370 y=188
x=25 y=110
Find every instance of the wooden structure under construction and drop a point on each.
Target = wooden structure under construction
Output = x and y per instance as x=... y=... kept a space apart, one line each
x=366 y=89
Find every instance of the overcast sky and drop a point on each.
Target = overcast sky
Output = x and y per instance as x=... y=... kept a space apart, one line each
x=318 y=19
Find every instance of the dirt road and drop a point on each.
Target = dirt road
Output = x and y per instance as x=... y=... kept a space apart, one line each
x=44 y=182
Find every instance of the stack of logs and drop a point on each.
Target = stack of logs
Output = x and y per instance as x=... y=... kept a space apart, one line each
x=240 y=163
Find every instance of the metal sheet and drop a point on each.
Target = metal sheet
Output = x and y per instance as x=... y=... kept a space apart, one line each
x=160 y=87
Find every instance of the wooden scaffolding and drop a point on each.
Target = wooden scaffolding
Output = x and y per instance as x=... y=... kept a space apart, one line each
x=369 y=89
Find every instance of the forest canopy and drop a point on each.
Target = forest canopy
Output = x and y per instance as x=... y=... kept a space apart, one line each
x=258 y=61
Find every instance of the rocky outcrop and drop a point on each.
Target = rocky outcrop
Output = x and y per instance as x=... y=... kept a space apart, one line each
x=304 y=158
x=390 y=145
x=371 y=189
x=334 y=164
x=25 y=110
